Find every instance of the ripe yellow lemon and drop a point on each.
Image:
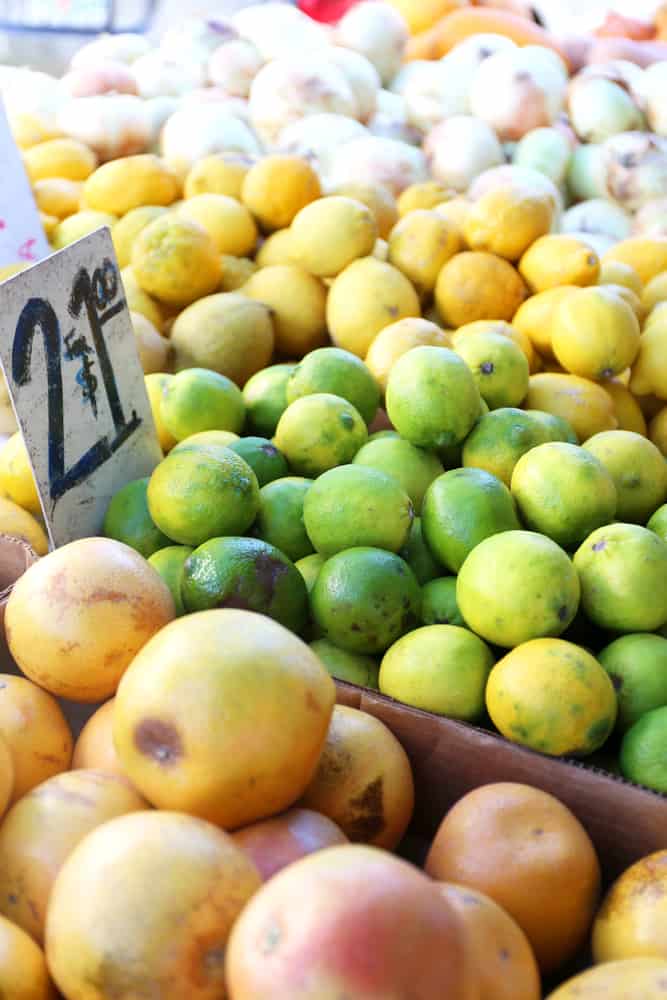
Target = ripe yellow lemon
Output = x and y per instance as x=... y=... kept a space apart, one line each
x=156 y=383
x=584 y=404
x=378 y=198
x=647 y=255
x=424 y=194
x=506 y=220
x=297 y=301
x=129 y=182
x=229 y=223
x=60 y=158
x=626 y=408
x=16 y=478
x=330 y=233
x=16 y=521
x=176 y=261
x=594 y=333
x=277 y=187
x=397 y=339
x=126 y=230
x=57 y=196
x=504 y=329
x=476 y=285
x=76 y=226
x=559 y=260
x=420 y=244
x=534 y=317
x=221 y=173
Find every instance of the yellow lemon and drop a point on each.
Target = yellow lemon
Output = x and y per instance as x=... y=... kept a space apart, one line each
x=153 y=349
x=74 y=227
x=221 y=173
x=506 y=220
x=60 y=158
x=615 y=272
x=624 y=980
x=504 y=329
x=363 y=299
x=420 y=15
x=276 y=249
x=28 y=130
x=477 y=285
x=23 y=971
x=647 y=255
x=124 y=184
x=426 y=194
x=649 y=372
x=229 y=223
x=330 y=233
x=140 y=301
x=534 y=317
x=378 y=198
x=559 y=260
x=235 y=272
x=594 y=333
x=126 y=230
x=49 y=224
x=657 y=315
x=584 y=404
x=657 y=430
x=16 y=521
x=628 y=296
x=297 y=301
x=655 y=291
x=176 y=261
x=381 y=250
x=627 y=409
x=57 y=196
x=399 y=338
x=16 y=477
x=156 y=383
x=420 y=244
x=278 y=187
x=455 y=210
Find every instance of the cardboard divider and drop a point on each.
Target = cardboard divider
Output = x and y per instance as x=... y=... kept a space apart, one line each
x=450 y=758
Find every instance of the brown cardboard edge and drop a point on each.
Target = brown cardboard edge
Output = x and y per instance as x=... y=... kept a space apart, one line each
x=451 y=758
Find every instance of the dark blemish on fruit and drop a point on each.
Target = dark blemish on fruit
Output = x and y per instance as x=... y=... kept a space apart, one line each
x=599 y=546
x=214 y=958
x=13 y=898
x=311 y=702
x=563 y=612
x=235 y=601
x=616 y=681
x=354 y=627
x=504 y=954
x=538 y=832
x=269 y=449
x=269 y=570
x=347 y=420
x=159 y=740
x=368 y=819
x=486 y=368
x=392 y=310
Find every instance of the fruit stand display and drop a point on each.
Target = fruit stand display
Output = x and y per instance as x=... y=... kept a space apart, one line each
x=362 y=690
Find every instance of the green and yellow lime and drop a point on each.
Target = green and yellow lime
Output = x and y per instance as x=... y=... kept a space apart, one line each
x=169 y=563
x=414 y=468
x=197 y=400
x=418 y=556
x=265 y=397
x=310 y=567
x=280 y=516
x=499 y=439
x=319 y=432
x=127 y=520
x=355 y=668
x=439 y=605
x=499 y=367
x=639 y=471
x=263 y=458
x=333 y=370
x=637 y=665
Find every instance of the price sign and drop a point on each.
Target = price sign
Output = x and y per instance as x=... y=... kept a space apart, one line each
x=69 y=355
x=21 y=235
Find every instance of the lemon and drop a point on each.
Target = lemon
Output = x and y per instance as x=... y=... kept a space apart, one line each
x=477 y=285
x=655 y=291
x=193 y=497
x=169 y=563
x=330 y=233
x=552 y=696
x=57 y=196
x=153 y=349
x=277 y=187
x=221 y=173
x=319 y=432
x=584 y=404
x=126 y=230
x=235 y=272
x=16 y=521
x=439 y=605
x=622 y=571
x=397 y=339
x=534 y=317
x=276 y=249
x=431 y=398
x=377 y=198
x=127 y=183
x=438 y=668
x=280 y=518
x=354 y=506
x=518 y=585
x=559 y=260
x=506 y=220
x=176 y=261
x=76 y=226
x=638 y=469
x=647 y=255
x=200 y=400
x=420 y=244
x=658 y=430
x=156 y=384
x=615 y=272
x=503 y=329
x=594 y=333
x=66 y=158
x=499 y=439
x=354 y=668
x=626 y=408
x=424 y=194
x=622 y=980
x=500 y=368
x=140 y=301
x=16 y=476
x=658 y=522
x=649 y=372
x=414 y=468
x=297 y=301
x=127 y=520
x=455 y=211
x=265 y=397
x=363 y=298
x=340 y=373
x=228 y=333
x=564 y=492
x=229 y=223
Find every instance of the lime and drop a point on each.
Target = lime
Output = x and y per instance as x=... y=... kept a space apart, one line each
x=353 y=506
x=499 y=439
x=555 y=428
x=355 y=668
x=364 y=599
x=414 y=468
x=201 y=400
x=658 y=522
x=463 y=507
x=643 y=756
x=208 y=441
x=499 y=367
x=333 y=370
x=431 y=398
x=439 y=605
x=639 y=471
x=623 y=568
x=319 y=432
x=418 y=556
x=309 y=567
x=517 y=586
x=637 y=665
x=265 y=396
x=263 y=458
x=169 y=564
x=563 y=491
x=280 y=517
x=438 y=668
x=193 y=497
x=127 y=520
x=245 y=573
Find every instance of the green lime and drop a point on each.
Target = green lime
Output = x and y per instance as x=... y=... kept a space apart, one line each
x=263 y=458
x=245 y=573
x=353 y=506
x=378 y=435
x=169 y=564
x=623 y=568
x=431 y=397
x=355 y=668
x=414 y=468
x=658 y=522
x=127 y=520
x=330 y=369
x=643 y=755
x=310 y=567
x=438 y=668
x=637 y=665
x=499 y=367
x=499 y=439
x=418 y=556
x=193 y=496
x=265 y=396
x=201 y=400
x=563 y=491
x=439 y=605
x=638 y=468
x=319 y=432
x=555 y=428
x=364 y=599
x=210 y=442
x=463 y=507
x=280 y=517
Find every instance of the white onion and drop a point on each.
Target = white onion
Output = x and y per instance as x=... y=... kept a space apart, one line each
x=375 y=160
x=233 y=66
x=361 y=75
x=460 y=148
x=158 y=77
x=196 y=38
x=377 y=31
x=432 y=91
x=124 y=48
x=652 y=90
x=523 y=178
x=635 y=168
x=586 y=172
x=390 y=120
x=318 y=138
x=200 y=130
x=651 y=219
x=598 y=216
x=113 y=125
x=600 y=108
x=105 y=78
x=548 y=150
x=279 y=30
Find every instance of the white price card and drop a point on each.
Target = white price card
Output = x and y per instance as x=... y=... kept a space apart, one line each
x=21 y=235
x=69 y=355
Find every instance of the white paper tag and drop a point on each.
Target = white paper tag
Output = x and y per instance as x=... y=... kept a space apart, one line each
x=69 y=355
x=21 y=235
